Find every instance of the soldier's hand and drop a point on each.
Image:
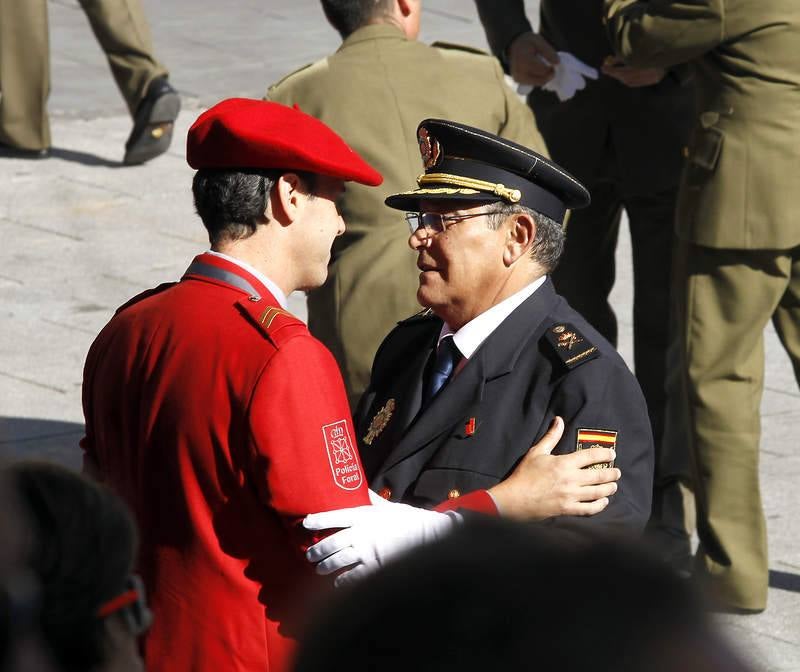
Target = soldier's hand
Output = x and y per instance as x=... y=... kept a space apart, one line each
x=544 y=485
x=631 y=76
x=531 y=59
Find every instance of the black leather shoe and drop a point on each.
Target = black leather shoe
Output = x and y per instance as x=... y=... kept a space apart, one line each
x=12 y=152
x=153 y=123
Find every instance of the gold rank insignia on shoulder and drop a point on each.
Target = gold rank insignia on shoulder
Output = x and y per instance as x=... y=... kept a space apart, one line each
x=379 y=422
x=269 y=315
x=570 y=344
x=597 y=438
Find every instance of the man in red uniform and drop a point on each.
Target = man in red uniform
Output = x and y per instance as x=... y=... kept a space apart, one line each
x=215 y=413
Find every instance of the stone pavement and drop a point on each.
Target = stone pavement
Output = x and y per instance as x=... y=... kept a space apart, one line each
x=82 y=234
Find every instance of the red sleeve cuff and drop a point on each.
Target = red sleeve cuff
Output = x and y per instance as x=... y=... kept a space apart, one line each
x=479 y=501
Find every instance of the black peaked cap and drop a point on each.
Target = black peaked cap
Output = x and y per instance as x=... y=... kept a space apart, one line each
x=463 y=163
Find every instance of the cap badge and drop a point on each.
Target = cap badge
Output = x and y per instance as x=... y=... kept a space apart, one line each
x=379 y=422
x=429 y=148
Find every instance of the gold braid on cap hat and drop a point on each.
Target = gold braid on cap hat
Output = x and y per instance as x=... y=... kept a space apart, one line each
x=501 y=190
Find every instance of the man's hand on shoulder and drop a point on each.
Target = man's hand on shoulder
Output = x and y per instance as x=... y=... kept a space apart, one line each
x=531 y=59
x=545 y=485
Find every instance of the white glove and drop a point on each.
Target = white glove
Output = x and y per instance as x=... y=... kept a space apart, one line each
x=372 y=535
x=570 y=77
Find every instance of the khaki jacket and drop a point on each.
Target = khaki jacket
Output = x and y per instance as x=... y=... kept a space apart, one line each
x=374 y=91
x=741 y=185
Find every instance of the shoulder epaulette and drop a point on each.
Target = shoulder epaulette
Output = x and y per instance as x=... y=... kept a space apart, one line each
x=570 y=345
x=424 y=314
x=286 y=77
x=460 y=47
x=275 y=323
x=144 y=295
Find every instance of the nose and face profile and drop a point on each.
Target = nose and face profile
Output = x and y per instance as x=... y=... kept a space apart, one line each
x=460 y=257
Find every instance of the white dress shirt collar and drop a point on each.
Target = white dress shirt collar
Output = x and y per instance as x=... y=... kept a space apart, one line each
x=276 y=291
x=469 y=338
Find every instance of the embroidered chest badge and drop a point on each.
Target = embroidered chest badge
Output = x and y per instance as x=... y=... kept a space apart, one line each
x=379 y=422
x=342 y=456
x=597 y=438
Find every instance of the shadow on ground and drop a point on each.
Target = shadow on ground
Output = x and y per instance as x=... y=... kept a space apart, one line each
x=37 y=439
x=784 y=581
x=83 y=157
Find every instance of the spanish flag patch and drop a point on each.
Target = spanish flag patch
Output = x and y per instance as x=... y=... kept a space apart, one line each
x=597 y=438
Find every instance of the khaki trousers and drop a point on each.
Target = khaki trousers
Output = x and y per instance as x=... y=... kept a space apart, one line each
x=725 y=298
x=122 y=31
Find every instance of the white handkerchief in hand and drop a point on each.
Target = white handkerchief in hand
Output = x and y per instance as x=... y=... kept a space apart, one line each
x=570 y=77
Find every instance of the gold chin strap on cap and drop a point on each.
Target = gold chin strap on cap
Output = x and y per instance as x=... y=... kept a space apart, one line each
x=510 y=195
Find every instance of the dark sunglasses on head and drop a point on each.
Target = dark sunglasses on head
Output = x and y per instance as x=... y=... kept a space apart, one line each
x=131 y=604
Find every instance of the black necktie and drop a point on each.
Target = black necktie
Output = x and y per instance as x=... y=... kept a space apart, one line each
x=447 y=356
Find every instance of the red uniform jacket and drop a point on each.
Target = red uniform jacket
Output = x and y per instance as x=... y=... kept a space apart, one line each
x=222 y=422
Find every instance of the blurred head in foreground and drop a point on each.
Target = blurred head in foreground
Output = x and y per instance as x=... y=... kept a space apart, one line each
x=81 y=546
x=499 y=596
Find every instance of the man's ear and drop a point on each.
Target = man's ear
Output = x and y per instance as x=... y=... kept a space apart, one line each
x=404 y=7
x=521 y=232
x=287 y=198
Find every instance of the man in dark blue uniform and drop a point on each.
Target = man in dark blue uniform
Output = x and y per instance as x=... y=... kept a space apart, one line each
x=459 y=392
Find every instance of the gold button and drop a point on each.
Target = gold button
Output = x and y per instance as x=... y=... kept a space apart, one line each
x=453 y=494
x=685 y=152
x=386 y=493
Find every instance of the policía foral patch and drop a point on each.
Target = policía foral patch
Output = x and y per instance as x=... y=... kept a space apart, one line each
x=345 y=466
x=597 y=438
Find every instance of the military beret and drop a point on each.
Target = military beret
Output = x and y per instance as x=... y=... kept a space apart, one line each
x=463 y=163
x=247 y=133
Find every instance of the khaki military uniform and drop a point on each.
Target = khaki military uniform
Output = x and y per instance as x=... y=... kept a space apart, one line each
x=123 y=33
x=373 y=92
x=739 y=258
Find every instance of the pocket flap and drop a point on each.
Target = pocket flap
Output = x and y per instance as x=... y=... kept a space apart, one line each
x=707 y=148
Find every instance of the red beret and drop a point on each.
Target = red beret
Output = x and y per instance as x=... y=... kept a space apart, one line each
x=247 y=133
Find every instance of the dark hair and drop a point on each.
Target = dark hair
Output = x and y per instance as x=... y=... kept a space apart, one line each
x=347 y=16
x=496 y=595
x=232 y=201
x=82 y=551
x=548 y=244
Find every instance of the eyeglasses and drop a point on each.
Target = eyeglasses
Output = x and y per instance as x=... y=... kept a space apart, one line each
x=433 y=222
x=131 y=605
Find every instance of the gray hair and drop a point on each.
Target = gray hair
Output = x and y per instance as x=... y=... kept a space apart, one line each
x=548 y=244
